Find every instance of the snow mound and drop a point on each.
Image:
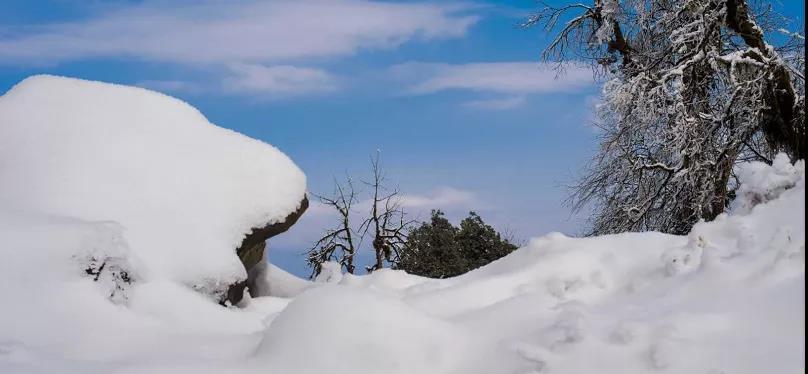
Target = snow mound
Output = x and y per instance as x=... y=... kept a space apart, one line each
x=762 y=183
x=352 y=330
x=283 y=284
x=183 y=191
x=727 y=298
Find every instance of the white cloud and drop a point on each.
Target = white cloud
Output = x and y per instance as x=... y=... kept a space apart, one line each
x=267 y=81
x=241 y=47
x=171 y=86
x=319 y=216
x=498 y=77
x=440 y=198
x=318 y=209
x=496 y=104
x=279 y=80
x=222 y=32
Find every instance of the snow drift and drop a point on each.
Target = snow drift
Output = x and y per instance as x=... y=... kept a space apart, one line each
x=727 y=298
x=184 y=191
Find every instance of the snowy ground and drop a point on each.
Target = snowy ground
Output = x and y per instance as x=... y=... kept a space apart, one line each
x=726 y=299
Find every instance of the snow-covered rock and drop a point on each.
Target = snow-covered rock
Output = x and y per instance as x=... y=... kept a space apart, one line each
x=183 y=191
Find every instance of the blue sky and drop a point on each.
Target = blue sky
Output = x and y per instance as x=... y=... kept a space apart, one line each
x=451 y=94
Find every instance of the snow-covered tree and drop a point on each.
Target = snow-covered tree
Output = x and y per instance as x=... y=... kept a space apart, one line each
x=691 y=88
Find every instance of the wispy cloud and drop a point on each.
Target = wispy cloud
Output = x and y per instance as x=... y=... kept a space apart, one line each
x=496 y=77
x=262 y=81
x=172 y=86
x=496 y=104
x=249 y=45
x=237 y=31
x=318 y=217
x=279 y=80
x=443 y=197
x=439 y=198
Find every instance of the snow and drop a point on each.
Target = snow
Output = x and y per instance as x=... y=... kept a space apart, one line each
x=791 y=34
x=762 y=183
x=727 y=298
x=360 y=330
x=281 y=283
x=182 y=188
x=610 y=10
x=331 y=272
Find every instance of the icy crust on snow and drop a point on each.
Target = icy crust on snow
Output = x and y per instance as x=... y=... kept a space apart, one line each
x=183 y=191
x=727 y=298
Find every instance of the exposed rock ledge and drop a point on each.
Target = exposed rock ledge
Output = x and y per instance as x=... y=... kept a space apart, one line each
x=251 y=253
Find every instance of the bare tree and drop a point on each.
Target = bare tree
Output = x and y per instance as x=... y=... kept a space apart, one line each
x=692 y=87
x=338 y=243
x=386 y=221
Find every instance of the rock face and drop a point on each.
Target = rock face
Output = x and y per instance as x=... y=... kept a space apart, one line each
x=251 y=252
